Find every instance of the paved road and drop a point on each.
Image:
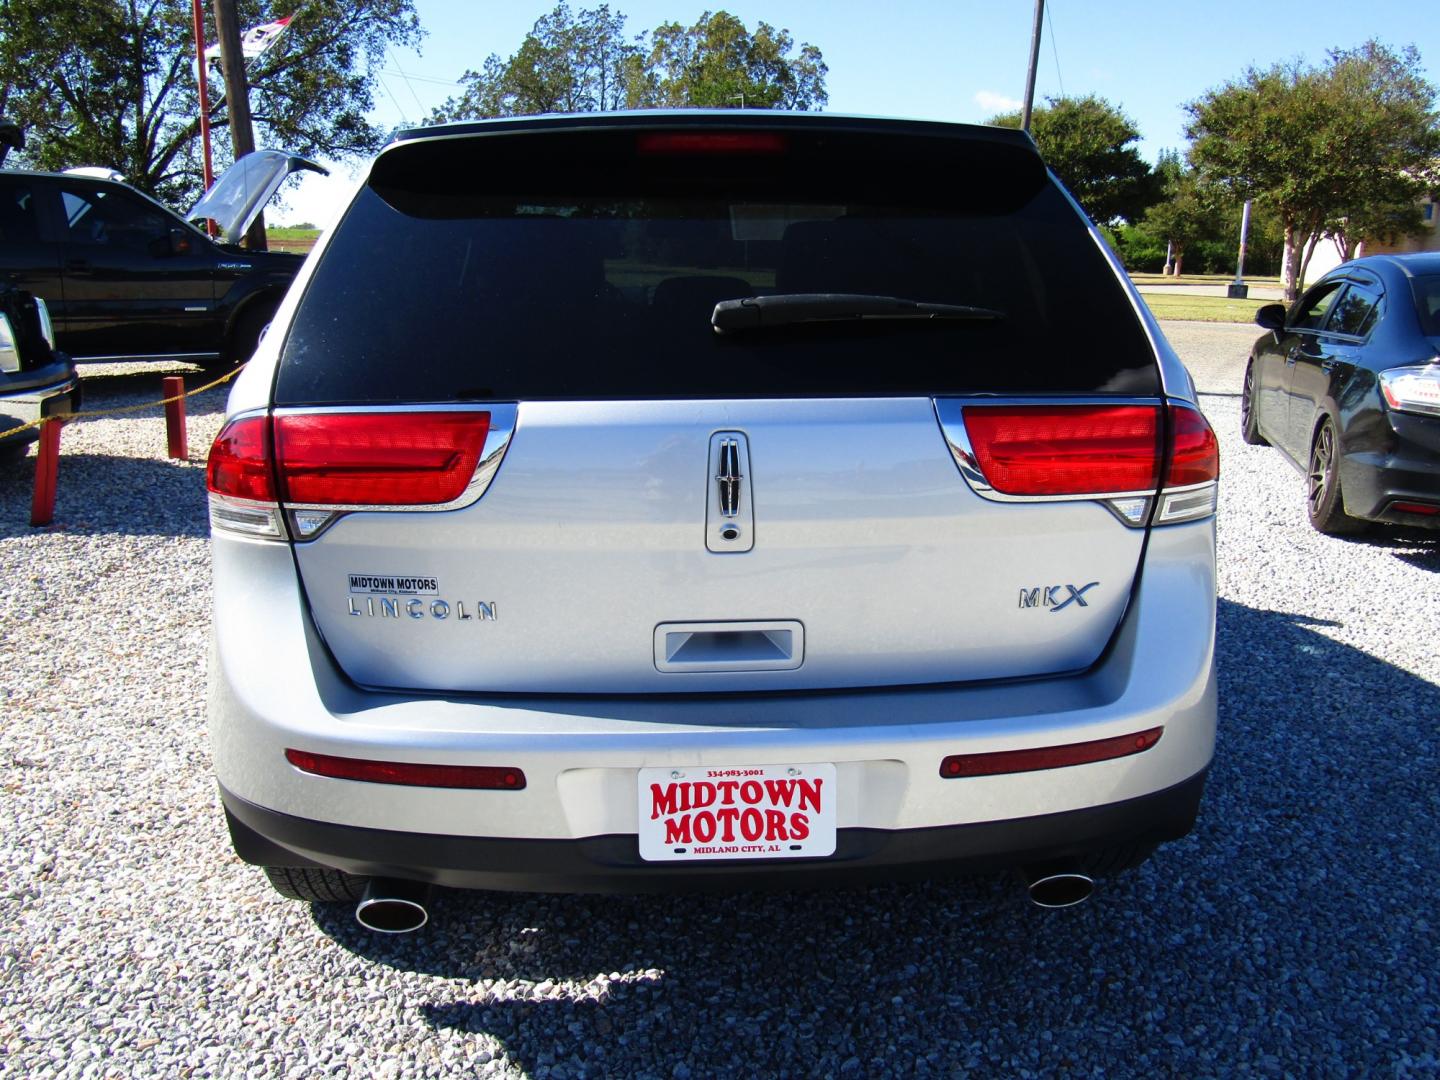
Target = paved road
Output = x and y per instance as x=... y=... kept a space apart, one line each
x=1293 y=934
x=1215 y=353
x=1257 y=292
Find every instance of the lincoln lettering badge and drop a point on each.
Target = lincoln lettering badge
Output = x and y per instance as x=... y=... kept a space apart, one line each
x=412 y=596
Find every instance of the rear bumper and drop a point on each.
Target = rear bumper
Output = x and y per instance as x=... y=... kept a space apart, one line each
x=1117 y=833
x=273 y=686
x=32 y=395
x=1407 y=471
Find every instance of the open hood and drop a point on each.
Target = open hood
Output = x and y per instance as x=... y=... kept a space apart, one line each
x=237 y=198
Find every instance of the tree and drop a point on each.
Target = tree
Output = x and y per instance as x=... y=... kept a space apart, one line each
x=1352 y=140
x=567 y=63
x=109 y=82
x=1086 y=142
x=718 y=63
x=583 y=62
x=1187 y=214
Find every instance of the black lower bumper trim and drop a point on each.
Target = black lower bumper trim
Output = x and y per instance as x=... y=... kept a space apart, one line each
x=612 y=863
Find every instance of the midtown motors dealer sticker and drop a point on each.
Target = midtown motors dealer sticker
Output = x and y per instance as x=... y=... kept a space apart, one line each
x=691 y=814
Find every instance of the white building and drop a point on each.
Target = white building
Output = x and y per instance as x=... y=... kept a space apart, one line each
x=1327 y=252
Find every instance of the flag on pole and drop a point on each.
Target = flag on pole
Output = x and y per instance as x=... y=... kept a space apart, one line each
x=253 y=42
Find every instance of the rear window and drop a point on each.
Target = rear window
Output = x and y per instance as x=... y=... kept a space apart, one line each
x=587 y=282
x=1427 y=302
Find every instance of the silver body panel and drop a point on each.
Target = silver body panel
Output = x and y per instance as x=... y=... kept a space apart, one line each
x=594 y=531
x=580 y=755
x=597 y=540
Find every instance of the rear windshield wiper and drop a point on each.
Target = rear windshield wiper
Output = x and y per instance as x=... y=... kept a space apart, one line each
x=763 y=312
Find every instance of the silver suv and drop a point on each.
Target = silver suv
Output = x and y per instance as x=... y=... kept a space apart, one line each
x=650 y=501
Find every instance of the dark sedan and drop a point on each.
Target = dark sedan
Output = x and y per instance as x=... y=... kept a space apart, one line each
x=1346 y=385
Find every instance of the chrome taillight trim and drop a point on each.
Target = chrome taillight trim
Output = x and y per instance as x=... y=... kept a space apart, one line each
x=503 y=418
x=949 y=413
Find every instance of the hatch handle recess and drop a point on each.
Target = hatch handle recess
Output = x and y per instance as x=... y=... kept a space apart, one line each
x=776 y=645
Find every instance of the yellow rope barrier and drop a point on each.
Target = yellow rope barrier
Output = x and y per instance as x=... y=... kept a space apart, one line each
x=122 y=409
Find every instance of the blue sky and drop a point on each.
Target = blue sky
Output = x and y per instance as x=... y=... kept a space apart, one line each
x=960 y=61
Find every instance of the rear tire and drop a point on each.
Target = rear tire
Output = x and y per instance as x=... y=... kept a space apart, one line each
x=245 y=334
x=1325 y=501
x=1249 y=422
x=314 y=885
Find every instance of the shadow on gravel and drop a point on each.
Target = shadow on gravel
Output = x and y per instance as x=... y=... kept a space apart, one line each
x=99 y=392
x=1291 y=932
x=101 y=493
x=1418 y=547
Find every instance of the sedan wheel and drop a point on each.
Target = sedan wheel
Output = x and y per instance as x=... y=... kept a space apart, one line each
x=1249 y=423
x=1326 y=505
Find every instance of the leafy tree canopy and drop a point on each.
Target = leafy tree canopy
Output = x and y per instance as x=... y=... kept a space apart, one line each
x=1188 y=213
x=1086 y=141
x=1352 y=141
x=110 y=82
x=583 y=62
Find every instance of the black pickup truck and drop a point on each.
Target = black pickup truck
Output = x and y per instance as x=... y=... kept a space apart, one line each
x=126 y=278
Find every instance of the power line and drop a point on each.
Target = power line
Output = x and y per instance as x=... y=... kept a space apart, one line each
x=1050 y=18
x=408 y=84
x=423 y=78
x=393 y=99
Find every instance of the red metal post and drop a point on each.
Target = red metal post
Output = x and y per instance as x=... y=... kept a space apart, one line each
x=199 y=21
x=47 y=470
x=173 y=386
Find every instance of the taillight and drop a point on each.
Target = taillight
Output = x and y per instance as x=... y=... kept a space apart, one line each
x=1412 y=389
x=1048 y=757
x=1131 y=457
x=1066 y=449
x=410 y=774
x=240 y=465
x=1194 y=450
x=377 y=459
x=319 y=464
x=1192 y=470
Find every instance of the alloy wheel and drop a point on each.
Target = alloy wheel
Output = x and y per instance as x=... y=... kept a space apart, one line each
x=1322 y=462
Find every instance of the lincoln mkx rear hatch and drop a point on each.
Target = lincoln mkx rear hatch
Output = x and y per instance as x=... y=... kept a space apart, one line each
x=793 y=404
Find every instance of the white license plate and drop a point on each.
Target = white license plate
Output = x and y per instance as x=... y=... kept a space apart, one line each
x=694 y=813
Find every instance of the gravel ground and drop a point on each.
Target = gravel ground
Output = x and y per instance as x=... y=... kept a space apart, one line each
x=1293 y=933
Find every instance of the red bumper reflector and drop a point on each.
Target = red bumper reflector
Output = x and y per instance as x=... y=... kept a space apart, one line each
x=1414 y=508
x=489 y=777
x=1066 y=449
x=1048 y=757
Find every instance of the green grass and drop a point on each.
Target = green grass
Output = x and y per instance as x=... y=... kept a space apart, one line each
x=291 y=239
x=1203 y=308
x=1200 y=279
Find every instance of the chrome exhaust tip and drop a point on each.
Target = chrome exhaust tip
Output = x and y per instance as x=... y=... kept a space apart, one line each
x=392 y=906
x=1057 y=885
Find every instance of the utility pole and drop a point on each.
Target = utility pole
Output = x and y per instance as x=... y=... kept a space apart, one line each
x=199 y=25
x=1238 y=290
x=237 y=99
x=1034 y=63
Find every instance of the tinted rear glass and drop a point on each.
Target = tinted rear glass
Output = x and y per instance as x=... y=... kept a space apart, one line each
x=584 y=282
x=1427 y=302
